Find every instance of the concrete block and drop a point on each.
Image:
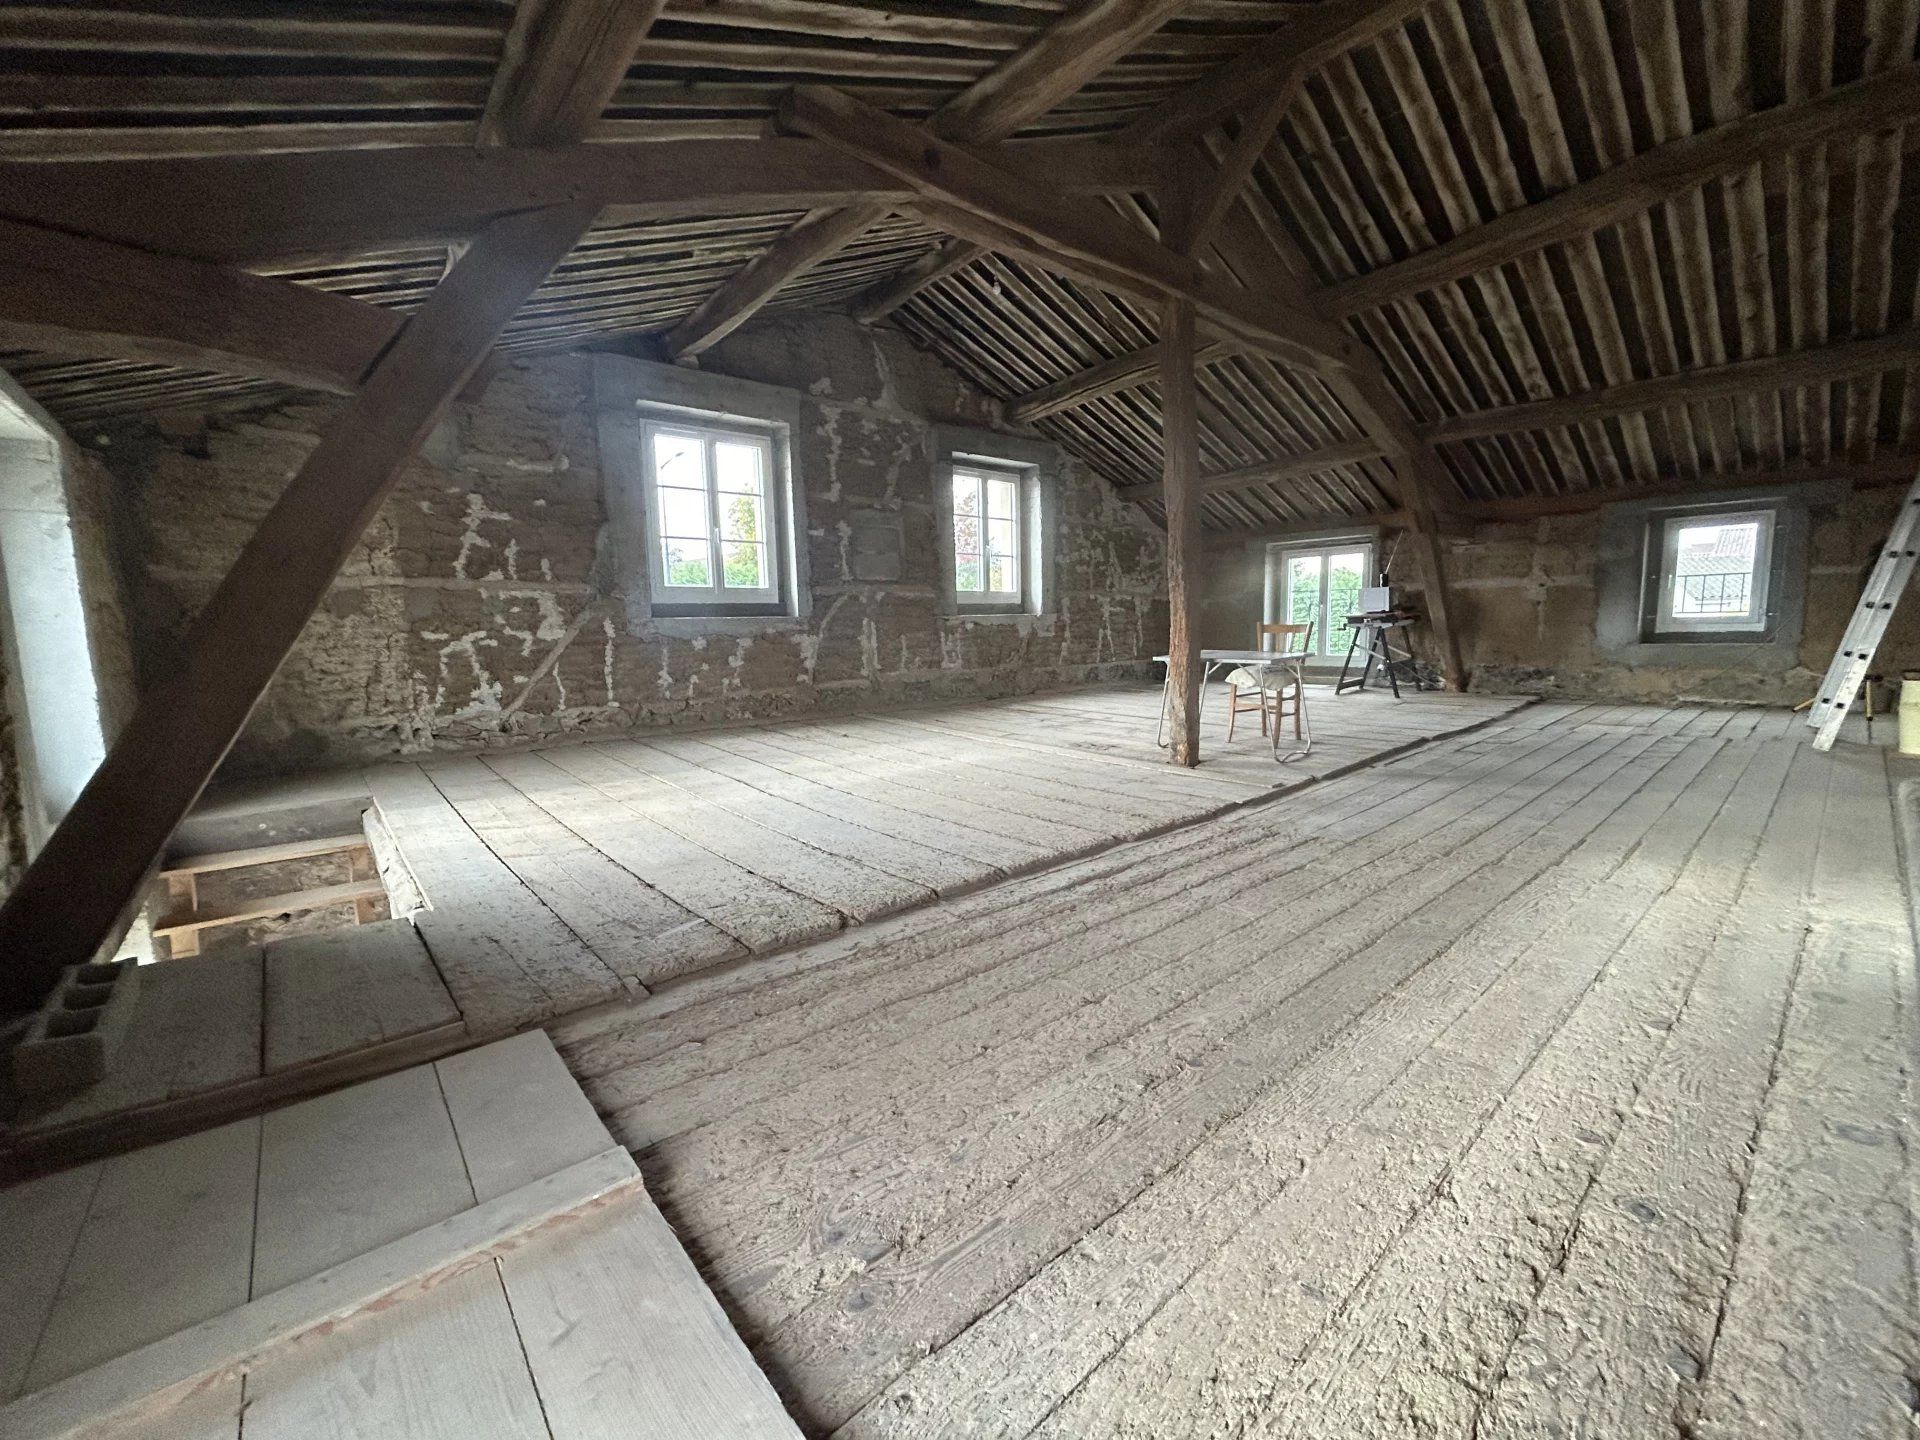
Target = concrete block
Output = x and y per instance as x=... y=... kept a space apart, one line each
x=71 y=1041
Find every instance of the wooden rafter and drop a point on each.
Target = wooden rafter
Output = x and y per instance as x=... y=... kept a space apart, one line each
x=561 y=63
x=889 y=295
x=1323 y=32
x=76 y=899
x=1270 y=472
x=282 y=208
x=70 y=294
x=1886 y=100
x=1060 y=231
x=1285 y=61
x=1825 y=364
x=1037 y=77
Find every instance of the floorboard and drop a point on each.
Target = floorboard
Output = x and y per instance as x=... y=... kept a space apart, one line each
x=1549 y=1078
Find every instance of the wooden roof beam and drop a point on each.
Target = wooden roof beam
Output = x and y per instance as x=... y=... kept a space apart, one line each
x=1823 y=364
x=79 y=296
x=1269 y=472
x=1887 y=100
x=1052 y=66
x=1058 y=231
x=1288 y=55
x=560 y=64
x=281 y=208
x=76 y=899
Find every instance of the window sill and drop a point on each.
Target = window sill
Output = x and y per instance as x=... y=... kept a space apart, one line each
x=695 y=626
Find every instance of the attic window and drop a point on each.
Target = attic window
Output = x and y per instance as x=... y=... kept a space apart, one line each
x=715 y=541
x=1709 y=575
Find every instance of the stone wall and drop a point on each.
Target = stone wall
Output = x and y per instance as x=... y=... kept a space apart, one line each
x=481 y=610
x=1527 y=603
x=1527 y=606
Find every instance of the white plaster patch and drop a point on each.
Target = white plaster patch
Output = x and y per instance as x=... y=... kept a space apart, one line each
x=471 y=539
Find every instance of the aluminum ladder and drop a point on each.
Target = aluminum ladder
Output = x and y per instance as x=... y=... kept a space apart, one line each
x=1849 y=669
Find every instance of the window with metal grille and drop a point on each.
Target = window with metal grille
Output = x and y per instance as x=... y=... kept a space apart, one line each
x=1709 y=575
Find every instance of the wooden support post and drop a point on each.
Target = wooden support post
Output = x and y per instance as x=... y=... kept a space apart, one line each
x=1181 y=488
x=1180 y=478
x=76 y=899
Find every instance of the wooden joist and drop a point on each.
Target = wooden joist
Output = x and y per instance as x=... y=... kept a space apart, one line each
x=75 y=295
x=1885 y=101
x=284 y=207
x=559 y=66
x=1269 y=472
x=1049 y=68
x=1323 y=32
x=79 y=894
x=1058 y=230
x=1889 y=99
x=294 y=902
x=883 y=299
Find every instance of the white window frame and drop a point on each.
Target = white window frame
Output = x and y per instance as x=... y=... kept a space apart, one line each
x=1663 y=575
x=1330 y=634
x=984 y=473
x=717 y=596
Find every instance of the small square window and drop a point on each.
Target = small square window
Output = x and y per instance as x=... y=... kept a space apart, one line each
x=1709 y=576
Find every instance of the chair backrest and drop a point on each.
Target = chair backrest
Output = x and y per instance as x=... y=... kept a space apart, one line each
x=1271 y=635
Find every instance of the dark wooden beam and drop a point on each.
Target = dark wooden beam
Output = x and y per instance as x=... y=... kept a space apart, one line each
x=1886 y=101
x=74 y=902
x=1296 y=50
x=78 y=296
x=1029 y=83
x=560 y=64
x=283 y=208
x=1110 y=377
x=1889 y=99
x=1840 y=361
x=1269 y=472
x=883 y=299
x=1074 y=235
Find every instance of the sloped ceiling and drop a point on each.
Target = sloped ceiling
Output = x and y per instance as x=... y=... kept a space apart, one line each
x=1472 y=109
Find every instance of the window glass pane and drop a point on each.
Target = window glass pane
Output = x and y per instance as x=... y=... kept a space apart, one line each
x=1003 y=575
x=1346 y=577
x=740 y=518
x=966 y=493
x=968 y=574
x=1000 y=499
x=677 y=460
x=683 y=512
x=1001 y=539
x=1303 y=590
x=1713 y=565
x=745 y=566
x=737 y=467
x=689 y=562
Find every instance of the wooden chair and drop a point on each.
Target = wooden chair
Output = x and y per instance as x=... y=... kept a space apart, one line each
x=1280 y=685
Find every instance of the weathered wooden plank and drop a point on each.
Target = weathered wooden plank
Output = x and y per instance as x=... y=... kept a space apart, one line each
x=754 y=911
x=641 y=934
x=165 y=1245
x=333 y=993
x=508 y=960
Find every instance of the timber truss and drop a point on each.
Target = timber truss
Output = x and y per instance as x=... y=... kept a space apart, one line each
x=173 y=260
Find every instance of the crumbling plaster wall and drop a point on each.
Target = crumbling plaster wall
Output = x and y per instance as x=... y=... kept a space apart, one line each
x=480 y=608
x=1526 y=599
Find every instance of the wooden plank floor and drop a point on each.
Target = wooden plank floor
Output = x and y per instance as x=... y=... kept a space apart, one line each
x=588 y=1322
x=585 y=874
x=660 y=856
x=1549 y=1080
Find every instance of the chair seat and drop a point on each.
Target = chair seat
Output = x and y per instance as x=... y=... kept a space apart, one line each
x=1265 y=677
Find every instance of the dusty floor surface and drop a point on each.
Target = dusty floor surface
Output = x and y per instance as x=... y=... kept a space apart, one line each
x=1549 y=1081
